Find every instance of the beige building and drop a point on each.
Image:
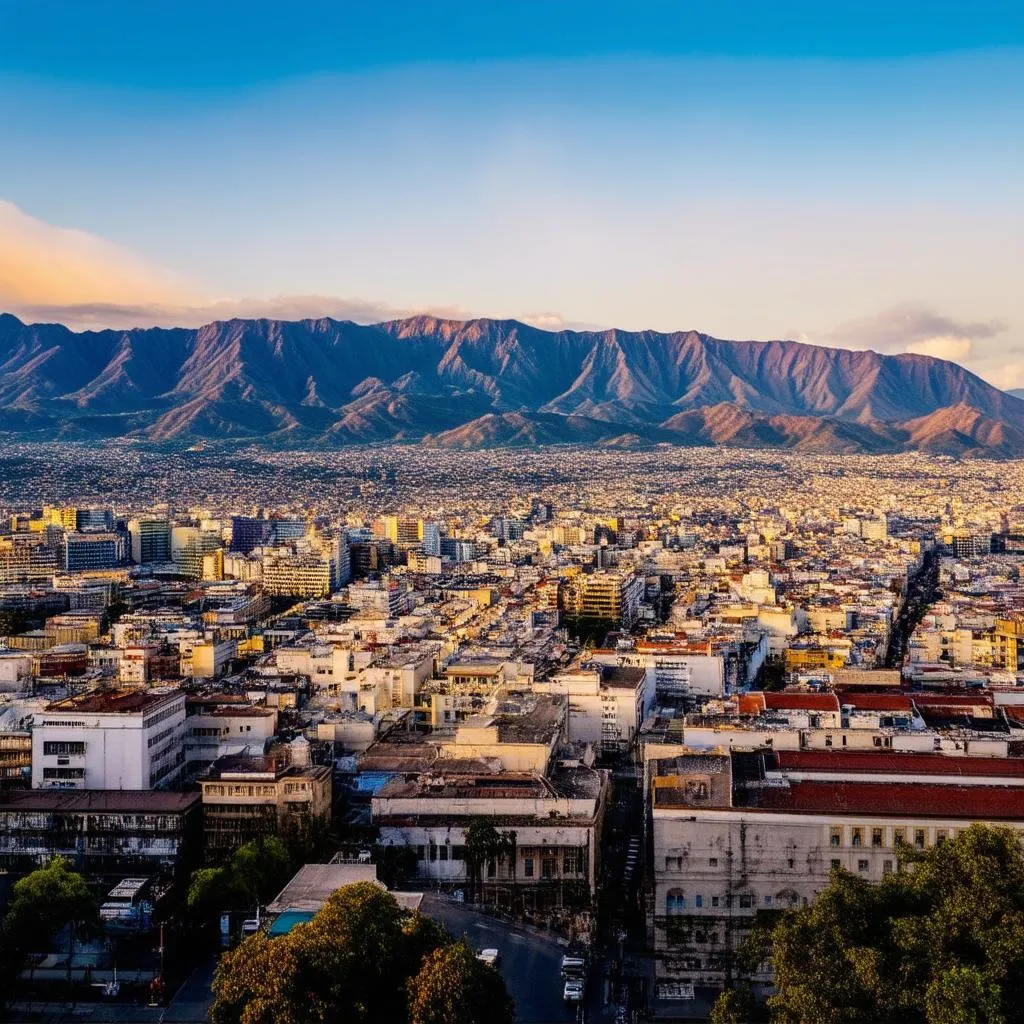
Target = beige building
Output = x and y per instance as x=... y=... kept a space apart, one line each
x=245 y=797
x=737 y=836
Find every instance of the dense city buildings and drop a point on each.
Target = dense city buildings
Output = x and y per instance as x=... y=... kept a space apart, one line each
x=665 y=693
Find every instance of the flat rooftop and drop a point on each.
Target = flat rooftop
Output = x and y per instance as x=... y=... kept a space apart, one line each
x=888 y=763
x=888 y=800
x=114 y=702
x=99 y=800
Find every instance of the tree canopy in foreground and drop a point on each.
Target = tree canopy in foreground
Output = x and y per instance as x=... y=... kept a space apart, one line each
x=939 y=942
x=361 y=959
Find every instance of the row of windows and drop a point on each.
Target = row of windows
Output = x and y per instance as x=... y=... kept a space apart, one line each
x=863 y=866
x=162 y=735
x=213 y=790
x=860 y=836
x=677 y=902
x=52 y=748
x=63 y=773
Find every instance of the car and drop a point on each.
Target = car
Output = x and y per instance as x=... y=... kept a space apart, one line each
x=573 y=966
x=573 y=992
x=489 y=957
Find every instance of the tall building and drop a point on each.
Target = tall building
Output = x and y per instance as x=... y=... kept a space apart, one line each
x=432 y=539
x=248 y=533
x=85 y=551
x=25 y=558
x=133 y=739
x=189 y=544
x=150 y=540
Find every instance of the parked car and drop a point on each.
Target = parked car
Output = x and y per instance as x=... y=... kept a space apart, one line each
x=573 y=992
x=489 y=957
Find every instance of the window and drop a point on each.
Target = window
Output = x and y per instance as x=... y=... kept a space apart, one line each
x=698 y=901
x=419 y=852
x=835 y=837
x=458 y=853
x=940 y=836
x=767 y=901
x=675 y=901
x=858 y=837
x=528 y=867
x=877 y=837
x=713 y=862
x=862 y=865
x=52 y=748
x=791 y=862
x=886 y=867
x=835 y=865
x=899 y=836
x=715 y=901
x=444 y=852
x=547 y=867
x=433 y=852
x=63 y=773
x=746 y=902
x=919 y=838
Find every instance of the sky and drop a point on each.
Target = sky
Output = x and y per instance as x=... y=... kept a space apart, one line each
x=838 y=173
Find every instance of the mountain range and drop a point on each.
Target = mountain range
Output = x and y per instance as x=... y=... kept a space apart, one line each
x=467 y=384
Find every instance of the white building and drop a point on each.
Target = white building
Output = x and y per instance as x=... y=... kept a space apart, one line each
x=607 y=703
x=110 y=740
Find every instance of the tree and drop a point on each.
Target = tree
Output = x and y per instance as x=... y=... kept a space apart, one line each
x=43 y=903
x=453 y=987
x=257 y=871
x=352 y=962
x=484 y=844
x=939 y=942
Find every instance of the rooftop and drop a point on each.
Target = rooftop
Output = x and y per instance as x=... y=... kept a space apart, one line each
x=142 y=801
x=913 y=800
x=115 y=702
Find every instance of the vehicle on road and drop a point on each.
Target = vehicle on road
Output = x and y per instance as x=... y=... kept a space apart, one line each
x=489 y=957
x=573 y=966
x=573 y=992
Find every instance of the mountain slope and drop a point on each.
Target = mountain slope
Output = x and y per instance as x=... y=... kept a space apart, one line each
x=476 y=382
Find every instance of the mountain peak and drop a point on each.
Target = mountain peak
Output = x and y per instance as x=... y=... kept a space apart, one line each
x=485 y=381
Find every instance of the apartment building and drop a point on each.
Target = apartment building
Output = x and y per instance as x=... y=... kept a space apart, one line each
x=246 y=796
x=100 y=832
x=116 y=740
x=737 y=836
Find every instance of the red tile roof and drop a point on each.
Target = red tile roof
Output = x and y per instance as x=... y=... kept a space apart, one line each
x=802 y=701
x=898 y=763
x=971 y=803
x=877 y=701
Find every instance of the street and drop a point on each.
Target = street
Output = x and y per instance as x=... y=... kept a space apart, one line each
x=530 y=964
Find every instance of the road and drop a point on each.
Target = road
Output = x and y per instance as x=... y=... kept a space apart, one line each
x=530 y=964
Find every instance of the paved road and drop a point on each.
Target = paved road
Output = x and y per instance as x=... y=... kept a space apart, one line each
x=530 y=964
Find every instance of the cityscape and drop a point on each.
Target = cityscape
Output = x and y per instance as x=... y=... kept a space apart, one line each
x=675 y=690
x=511 y=513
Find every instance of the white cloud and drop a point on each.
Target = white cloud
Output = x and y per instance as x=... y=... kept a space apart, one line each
x=947 y=346
x=49 y=273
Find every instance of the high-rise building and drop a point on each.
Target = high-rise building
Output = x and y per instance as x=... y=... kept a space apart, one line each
x=26 y=557
x=85 y=551
x=248 y=533
x=150 y=540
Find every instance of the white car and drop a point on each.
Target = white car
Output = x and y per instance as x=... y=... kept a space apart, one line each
x=573 y=992
x=489 y=957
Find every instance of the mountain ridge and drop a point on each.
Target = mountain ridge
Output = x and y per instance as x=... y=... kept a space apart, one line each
x=457 y=383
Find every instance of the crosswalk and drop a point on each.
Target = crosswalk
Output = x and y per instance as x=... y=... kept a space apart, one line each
x=632 y=856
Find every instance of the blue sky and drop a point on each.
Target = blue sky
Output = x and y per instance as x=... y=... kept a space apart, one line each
x=841 y=173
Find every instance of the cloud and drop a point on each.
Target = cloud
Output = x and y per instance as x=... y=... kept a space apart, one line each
x=45 y=265
x=62 y=275
x=912 y=329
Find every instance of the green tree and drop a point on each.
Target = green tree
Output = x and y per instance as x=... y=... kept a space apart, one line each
x=352 y=962
x=736 y=1006
x=939 y=942
x=484 y=844
x=453 y=987
x=258 y=870
x=43 y=904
